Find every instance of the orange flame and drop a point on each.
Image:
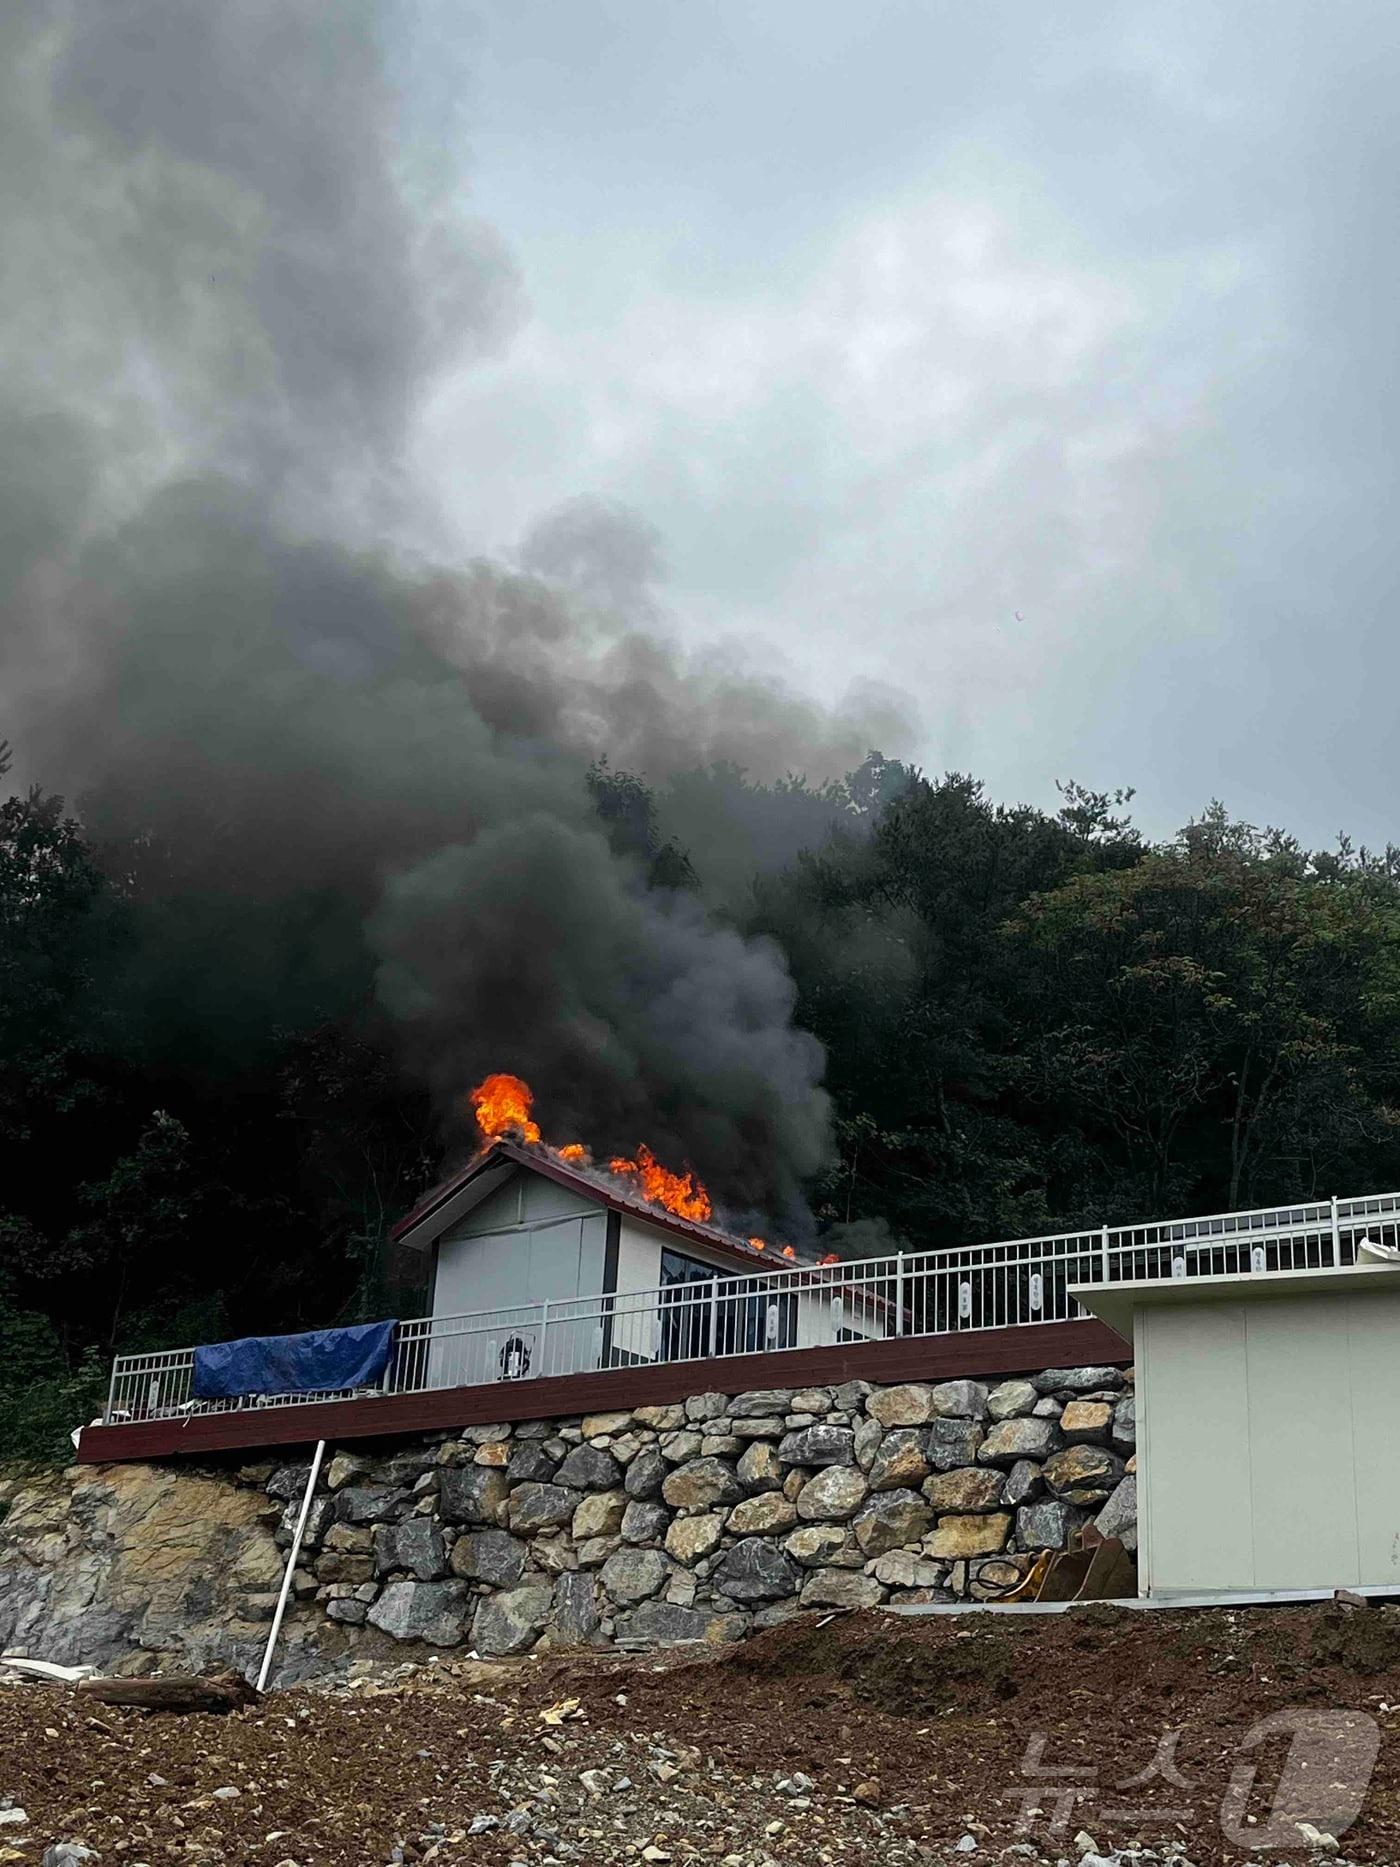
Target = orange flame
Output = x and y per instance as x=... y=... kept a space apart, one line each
x=680 y=1193
x=502 y=1105
x=788 y=1252
x=759 y=1244
x=830 y=1258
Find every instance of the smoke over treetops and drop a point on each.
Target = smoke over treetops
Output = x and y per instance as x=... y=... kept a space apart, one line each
x=329 y=767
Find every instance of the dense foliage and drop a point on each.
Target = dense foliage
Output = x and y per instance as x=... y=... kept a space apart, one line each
x=1030 y=1019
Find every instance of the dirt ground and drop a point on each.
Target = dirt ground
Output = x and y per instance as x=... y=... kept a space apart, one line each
x=832 y=1739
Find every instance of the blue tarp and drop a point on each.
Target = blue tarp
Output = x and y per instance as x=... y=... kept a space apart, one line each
x=321 y=1361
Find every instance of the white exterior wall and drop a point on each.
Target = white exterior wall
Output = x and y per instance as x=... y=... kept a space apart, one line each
x=1268 y=1451
x=531 y=1242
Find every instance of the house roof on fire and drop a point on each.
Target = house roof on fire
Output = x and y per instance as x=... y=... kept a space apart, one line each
x=446 y=1202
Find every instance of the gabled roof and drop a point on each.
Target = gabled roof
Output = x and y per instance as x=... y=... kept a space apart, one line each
x=488 y=1170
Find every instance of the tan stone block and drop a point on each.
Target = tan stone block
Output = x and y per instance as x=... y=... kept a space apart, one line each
x=690 y=1538
x=496 y=1454
x=597 y=1425
x=765 y=1515
x=969 y=1488
x=961 y=1537
x=1087 y=1421
x=599 y=1514
x=908 y=1405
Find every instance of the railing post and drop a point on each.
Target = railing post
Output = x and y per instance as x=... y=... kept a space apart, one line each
x=1103 y=1253
x=714 y=1316
x=899 y=1295
x=111 y=1395
x=1336 y=1234
x=544 y=1335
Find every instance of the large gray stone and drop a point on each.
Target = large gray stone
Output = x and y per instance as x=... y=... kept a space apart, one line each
x=1024 y=1482
x=1046 y=1525
x=1119 y=1516
x=1124 y=1434
x=434 y=1612
x=472 y=1494
x=589 y=1468
x=645 y=1474
x=530 y=1464
x=755 y=1570
x=891 y=1519
x=832 y=1495
x=659 y=1624
x=319 y=1521
x=901 y=1459
x=541 y=1507
x=1077 y=1380
x=821 y=1444
x=369 y=1504
x=645 y=1521
x=288 y=1482
x=869 y=1436
x=1011 y=1398
x=1019 y=1438
x=511 y=1622
x=959 y=1400
x=577 y=1617
x=951 y=1443
x=701 y=1484
x=761 y=1426
x=416 y=1546
x=635 y=1574
x=757 y=1405
x=841 y=1588
x=492 y=1556
x=1083 y=1474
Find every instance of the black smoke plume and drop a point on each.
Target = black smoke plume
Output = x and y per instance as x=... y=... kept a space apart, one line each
x=329 y=768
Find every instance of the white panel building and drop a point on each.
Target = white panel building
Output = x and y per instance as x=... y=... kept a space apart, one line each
x=1268 y=1450
x=539 y=1267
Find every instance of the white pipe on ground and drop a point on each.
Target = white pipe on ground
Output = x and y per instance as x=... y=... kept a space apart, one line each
x=292 y=1555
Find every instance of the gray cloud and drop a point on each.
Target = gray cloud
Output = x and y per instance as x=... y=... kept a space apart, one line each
x=901 y=319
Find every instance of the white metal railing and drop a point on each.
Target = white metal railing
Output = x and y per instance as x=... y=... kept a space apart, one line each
x=992 y=1286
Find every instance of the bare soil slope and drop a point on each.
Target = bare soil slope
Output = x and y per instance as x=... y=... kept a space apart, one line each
x=839 y=1739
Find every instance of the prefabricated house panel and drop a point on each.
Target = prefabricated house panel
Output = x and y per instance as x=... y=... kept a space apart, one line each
x=1268 y=1455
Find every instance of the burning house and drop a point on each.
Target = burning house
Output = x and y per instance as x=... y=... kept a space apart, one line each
x=542 y=1262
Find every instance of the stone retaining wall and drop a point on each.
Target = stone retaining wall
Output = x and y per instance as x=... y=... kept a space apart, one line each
x=699 y=1520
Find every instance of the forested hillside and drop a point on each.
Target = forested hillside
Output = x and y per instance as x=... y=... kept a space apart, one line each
x=1029 y=1019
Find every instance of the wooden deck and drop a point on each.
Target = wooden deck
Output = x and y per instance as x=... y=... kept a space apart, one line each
x=978 y=1353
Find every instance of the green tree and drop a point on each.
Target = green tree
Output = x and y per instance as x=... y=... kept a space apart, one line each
x=1223 y=1018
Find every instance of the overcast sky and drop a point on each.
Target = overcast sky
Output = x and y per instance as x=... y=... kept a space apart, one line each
x=1039 y=362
